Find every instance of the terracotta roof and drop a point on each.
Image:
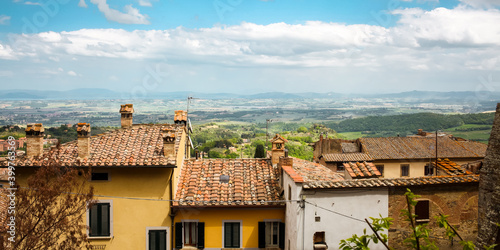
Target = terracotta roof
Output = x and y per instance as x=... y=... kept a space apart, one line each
x=249 y=182
x=347 y=157
x=349 y=147
x=278 y=137
x=418 y=148
x=450 y=167
x=361 y=170
x=127 y=108
x=394 y=182
x=3 y=209
x=180 y=115
x=304 y=171
x=140 y=145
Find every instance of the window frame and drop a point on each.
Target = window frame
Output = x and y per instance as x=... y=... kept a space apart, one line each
x=223 y=232
x=110 y=202
x=158 y=228
x=428 y=168
x=272 y=221
x=408 y=170
x=380 y=166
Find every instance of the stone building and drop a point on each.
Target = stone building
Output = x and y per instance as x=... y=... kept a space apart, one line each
x=489 y=190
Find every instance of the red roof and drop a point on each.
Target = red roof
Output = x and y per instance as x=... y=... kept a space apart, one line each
x=361 y=170
x=304 y=171
x=140 y=145
x=227 y=182
x=450 y=167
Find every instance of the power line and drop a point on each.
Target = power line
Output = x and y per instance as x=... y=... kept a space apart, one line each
x=337 y=213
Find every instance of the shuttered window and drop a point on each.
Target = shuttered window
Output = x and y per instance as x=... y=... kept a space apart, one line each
x=231 y=234
x=422 y=211
x=157 y=239
x=99 y=215
x=405 y=170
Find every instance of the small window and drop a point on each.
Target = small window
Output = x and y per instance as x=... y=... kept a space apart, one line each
x=271 y=234
x=380 y=168
x=428 y=170
x=100 y=220
x=405 y=170
x=340 y=167
x=157 y=240
x=289 y=193
x=99 y=177
x=232 y=234
x=422 y=211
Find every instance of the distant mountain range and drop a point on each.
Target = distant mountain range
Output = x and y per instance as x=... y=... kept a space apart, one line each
x=95 y=93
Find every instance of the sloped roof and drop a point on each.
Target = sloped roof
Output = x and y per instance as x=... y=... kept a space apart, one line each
x=392 y=182
x=420 y=148
x=304 y=171
x=347 y=157
x=250 y=183
x=138 y=146
x=278 y=138
x=361 y=170
x=450 y=167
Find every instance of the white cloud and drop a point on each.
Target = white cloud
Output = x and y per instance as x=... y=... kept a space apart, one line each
x=145 y=3
x=4 y=20
x=72 y=73
x=113 y=78
x=32 y=3
x=82 y=4
x=6 y=73
x=131 y=15
x=481 y=3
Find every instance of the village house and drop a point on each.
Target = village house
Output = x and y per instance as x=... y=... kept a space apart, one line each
x=135 y=171
x=394 y=157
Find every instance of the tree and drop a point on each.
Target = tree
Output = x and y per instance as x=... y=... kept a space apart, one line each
x=259 y=151
x=50 y=209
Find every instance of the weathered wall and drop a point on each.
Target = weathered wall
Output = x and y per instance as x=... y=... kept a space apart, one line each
x=457 y=201
x=489 y=194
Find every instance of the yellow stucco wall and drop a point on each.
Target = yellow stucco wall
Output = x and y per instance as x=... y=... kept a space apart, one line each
x=393 y=169
x=214 y=217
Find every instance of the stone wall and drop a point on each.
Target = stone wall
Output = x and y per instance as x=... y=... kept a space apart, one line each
x=489 y=194
x=460 y=202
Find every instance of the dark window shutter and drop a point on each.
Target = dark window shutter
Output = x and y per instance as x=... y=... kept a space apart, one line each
x=227 y=234
x=262 y=234
x=178 y=235
x=282 y=235
x=201 y=235
x=162 y=240
x=422 y=210
x=105 y=219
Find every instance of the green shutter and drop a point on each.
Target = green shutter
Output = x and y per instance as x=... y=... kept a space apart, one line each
x=227 y=234
x=162 y=238
x=262 y=234
x=178 y=235
x=282 y=235
x=201 y=235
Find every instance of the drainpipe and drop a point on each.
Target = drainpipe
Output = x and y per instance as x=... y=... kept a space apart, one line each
x=171 y=214
x=303 y=205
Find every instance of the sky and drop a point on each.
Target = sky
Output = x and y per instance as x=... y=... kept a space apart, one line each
x=250 y=46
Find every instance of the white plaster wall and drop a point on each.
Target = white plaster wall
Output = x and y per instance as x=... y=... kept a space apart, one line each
x=293 y=214
x=358 y=203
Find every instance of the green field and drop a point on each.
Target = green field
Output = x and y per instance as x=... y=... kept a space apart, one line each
x=473 y=132
x=351 y=135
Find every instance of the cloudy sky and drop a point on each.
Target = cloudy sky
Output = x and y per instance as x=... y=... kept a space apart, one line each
x=250 y=46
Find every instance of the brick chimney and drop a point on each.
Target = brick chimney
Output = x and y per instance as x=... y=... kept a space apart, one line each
x=168 y=142
x=34 y=139
x=127 y=110
x=180 y=117
x=278 y=148
x=83 y=132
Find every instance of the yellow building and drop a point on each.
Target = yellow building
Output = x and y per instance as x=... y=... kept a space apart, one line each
x=229 y=203
x=135 y=171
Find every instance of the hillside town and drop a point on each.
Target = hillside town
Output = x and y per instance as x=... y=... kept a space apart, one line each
x=151 y=192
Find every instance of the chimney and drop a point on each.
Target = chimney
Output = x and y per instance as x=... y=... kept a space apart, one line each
x=34 y=139
x=180 y=117
x=127 y=110
x=83 y=132
x=278 y=148
x=286 y=161
x=420 y=131
x=168 y=142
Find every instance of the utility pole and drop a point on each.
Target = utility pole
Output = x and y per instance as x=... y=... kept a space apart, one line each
x=435 y=167
x=267 y=125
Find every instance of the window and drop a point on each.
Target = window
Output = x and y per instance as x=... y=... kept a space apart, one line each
x=271 y=234
x=422 y=211
x=340 y=167
x=380 y=168
x=289 y=193
x=100 y=219
x=190 y=234
x=232 y=234
x=428 y=170
x=99 y=177
x=405 y=170
x=157 y=239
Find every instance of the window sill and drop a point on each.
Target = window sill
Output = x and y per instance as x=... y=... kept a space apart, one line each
x=99 y=237
x=423 y=221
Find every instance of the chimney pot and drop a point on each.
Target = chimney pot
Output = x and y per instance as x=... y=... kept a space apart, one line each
x=34 y=139
x=168 y=142
x=126 y=112
x=180 y=117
